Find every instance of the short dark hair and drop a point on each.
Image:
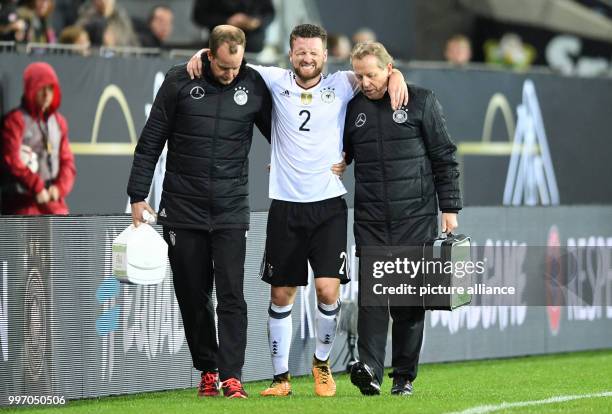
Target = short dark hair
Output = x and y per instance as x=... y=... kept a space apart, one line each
x=308 y=31
x=231 y=35
x=158 y=7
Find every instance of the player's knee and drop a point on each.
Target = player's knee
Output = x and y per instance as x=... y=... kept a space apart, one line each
x=327 y=293
x=282 y=296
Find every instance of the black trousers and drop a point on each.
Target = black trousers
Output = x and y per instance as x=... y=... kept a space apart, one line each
x=197 y=258
x=406 y=341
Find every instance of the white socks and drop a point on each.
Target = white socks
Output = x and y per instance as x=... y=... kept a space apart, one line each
x=280 y=332
x=326 y=322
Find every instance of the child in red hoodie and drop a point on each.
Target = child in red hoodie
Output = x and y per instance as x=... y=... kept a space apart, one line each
x=37 y=163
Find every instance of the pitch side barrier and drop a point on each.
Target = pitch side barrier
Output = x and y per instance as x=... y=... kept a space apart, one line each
x=500 y=121
x=69 y=329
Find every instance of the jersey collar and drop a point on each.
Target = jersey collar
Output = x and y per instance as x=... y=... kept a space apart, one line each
x=306 y=89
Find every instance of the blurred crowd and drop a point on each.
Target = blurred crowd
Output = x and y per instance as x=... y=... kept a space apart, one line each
x=105 y=23
x=87 y=23
x=458 y=34
x=97 y=23
x=82 y=23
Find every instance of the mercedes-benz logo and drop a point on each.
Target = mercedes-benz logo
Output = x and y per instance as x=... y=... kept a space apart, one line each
x=400 y=116
x=361 y=120
x=197 y=92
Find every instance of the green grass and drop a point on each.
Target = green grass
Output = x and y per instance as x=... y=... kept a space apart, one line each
x=439 y=388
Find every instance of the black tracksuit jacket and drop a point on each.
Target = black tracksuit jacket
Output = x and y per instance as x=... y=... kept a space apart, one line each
x=209 y=129
x=405 y=168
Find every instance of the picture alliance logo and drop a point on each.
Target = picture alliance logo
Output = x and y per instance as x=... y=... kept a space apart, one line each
x=504 y=260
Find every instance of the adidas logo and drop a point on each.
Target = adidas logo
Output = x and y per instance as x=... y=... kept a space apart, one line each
x=286 y=93
x=162 y=213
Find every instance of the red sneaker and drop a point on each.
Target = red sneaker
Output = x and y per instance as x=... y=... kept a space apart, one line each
x=209 y=385
x=232 y=388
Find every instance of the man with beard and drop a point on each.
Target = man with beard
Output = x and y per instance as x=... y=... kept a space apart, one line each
x=308 y=217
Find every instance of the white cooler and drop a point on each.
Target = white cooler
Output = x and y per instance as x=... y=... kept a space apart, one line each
x=139 y=256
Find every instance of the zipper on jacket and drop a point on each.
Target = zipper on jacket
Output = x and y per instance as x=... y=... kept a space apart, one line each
x=213 y=162
x=384 y=175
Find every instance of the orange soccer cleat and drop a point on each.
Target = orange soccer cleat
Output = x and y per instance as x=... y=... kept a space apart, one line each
x=280 y=387
x=325 y=386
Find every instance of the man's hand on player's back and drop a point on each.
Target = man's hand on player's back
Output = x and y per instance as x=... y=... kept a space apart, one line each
x=194 y=66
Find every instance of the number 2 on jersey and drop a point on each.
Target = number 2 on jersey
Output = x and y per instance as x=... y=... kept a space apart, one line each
x=303 y=126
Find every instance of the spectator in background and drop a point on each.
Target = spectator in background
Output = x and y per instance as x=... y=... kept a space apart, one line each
x=339 y=47
x=458 y=50
x=364 y=35
x=252 y=16
x=76 y=35
x=37 y=164
x=65 y=13
x=107 y=24
x=159 y=27
x=37 y=16
x=12 y=28
x=510 y=52
x=109 y=39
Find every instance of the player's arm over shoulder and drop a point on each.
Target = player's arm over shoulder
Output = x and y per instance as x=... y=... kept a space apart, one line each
x=350 y=79
x=268 y=73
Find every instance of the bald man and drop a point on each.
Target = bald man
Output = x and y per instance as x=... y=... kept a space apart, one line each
x=204 y=210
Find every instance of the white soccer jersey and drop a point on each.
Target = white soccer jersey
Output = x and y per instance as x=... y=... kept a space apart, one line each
x=307 y=129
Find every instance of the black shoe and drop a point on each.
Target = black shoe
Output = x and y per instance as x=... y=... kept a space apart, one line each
x=363 y=378
x=401 y=386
